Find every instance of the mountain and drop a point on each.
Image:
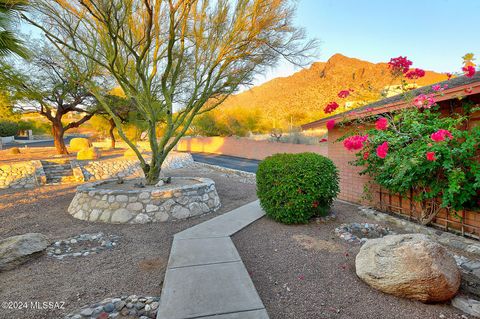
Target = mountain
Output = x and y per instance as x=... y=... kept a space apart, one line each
x=300 y=98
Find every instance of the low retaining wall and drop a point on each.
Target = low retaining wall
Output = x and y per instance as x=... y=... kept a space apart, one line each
x=98 y=170
x=22 y=175
x=30 y=174
x=144 y=205
x=243 y=147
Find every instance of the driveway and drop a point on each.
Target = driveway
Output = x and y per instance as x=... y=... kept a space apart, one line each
x=239 y=163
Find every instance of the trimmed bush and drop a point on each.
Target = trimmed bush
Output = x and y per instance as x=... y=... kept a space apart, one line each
x=79 y=143
x=89 y=153
x=8 y=128
x=293 y=188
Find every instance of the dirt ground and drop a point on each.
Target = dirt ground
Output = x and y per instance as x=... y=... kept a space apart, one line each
x=307 y=272
x=135 y=266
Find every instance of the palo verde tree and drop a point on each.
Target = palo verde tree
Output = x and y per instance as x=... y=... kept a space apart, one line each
x=172 y=56
x=49 y=84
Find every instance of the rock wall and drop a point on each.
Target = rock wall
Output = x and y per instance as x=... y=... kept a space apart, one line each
x=31 y=173
x=21 y=175
x=105 y=169
x=138 y=206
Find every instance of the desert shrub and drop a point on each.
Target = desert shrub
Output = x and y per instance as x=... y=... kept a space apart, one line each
x=37 y=127
x=14 y=150
x=293 y=188
x=89 y=153
x=8 y=128
x=79 y=143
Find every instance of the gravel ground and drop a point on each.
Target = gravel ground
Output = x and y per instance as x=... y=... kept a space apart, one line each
x=135 y=266
x=307 y=272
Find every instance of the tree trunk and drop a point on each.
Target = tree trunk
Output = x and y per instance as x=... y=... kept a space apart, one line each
x=153 y=170
x=110 y=132
x=58 y=132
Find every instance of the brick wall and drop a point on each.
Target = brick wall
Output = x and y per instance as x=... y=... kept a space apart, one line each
x=243 y=147
x=351 y=182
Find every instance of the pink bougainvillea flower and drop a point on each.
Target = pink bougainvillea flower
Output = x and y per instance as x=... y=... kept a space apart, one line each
x=469 y=71
x=400 y=65
x=415 y=74
x=439 y=88
x=332 y=106
x=323 y=140
x=355 y=142
x=382 y=150
x=366 y=155
x=431 y=156
x=449 y=75
x=330 y=124
x=424 y=101
x=440 y=135
x=343 y=94
x=381 y=124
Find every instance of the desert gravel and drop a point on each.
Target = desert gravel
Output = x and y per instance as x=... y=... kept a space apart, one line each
x=135 y=266
x=307 y=272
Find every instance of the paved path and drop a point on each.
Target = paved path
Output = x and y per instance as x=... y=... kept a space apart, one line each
x=239 y=163
x=206 y=277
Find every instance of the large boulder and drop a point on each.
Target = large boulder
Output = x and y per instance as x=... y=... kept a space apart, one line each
x=410 y=266
x=17 y=250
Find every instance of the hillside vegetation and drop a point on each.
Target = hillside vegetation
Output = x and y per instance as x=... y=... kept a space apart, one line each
x=288 y=102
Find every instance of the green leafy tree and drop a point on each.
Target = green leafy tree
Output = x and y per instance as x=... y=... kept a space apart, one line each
x=171 y=57
x=52 y=86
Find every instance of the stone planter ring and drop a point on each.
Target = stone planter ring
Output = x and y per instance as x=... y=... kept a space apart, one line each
x=106 y=201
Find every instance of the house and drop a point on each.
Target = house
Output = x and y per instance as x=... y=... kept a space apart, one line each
x=352 y=184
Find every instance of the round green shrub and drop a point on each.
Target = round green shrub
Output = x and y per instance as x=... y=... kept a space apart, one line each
x=293 y=188
x=8 y=128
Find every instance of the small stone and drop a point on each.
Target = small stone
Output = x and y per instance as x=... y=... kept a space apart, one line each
x=151 y=208
x=109 y=307
x=121 y=215
x=87 y=312
x=119 y=305
x=135 y=206
x=58 y=251
x=154 y=305
x=139 y=305
x=129 y=305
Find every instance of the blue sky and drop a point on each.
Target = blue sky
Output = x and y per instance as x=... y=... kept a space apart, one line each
x=434 y=34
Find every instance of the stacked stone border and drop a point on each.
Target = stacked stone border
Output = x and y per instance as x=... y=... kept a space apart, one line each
x=143 y=205
x=246 y=177
x=22 y=175
x=445 y=238
x=31 y=174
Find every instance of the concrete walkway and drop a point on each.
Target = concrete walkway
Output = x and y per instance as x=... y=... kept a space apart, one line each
x=206 y=277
